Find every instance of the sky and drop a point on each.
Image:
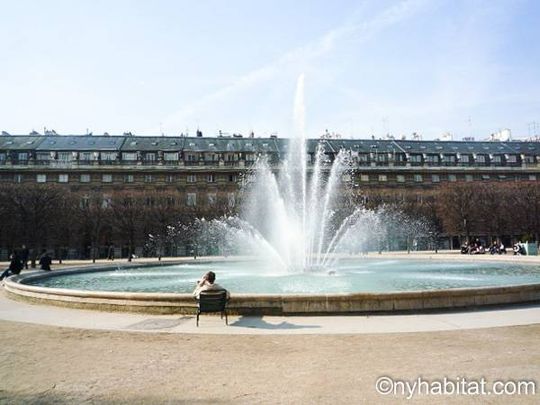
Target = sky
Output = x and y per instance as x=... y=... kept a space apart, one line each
x=371 y=68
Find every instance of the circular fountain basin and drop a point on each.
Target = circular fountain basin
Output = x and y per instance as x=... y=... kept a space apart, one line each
x=352 y=286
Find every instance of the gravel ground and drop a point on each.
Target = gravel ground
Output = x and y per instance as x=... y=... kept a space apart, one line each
x=43 y=364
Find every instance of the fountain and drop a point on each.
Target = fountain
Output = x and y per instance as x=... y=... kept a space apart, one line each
x=294 y=228
x=288 y=211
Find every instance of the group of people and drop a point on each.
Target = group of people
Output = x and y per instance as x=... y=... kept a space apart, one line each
x=476 y=248
x=18 y=260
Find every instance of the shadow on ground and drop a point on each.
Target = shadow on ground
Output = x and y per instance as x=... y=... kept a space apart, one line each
x=156 y=324
x=257 y=322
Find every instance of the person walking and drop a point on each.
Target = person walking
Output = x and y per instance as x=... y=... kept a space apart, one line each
x=25 y=254
x=45 y=261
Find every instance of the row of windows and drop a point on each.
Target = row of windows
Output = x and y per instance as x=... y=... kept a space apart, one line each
x=130 y=178
x=445 y=159
x=436 y=178
x=130 y=156
x=380 y=158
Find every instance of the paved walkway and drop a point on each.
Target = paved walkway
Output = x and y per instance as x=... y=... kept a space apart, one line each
x=264 y=325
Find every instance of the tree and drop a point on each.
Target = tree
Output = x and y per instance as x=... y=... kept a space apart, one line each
x=126 y=217
x=95 y=213
x=459 y=208
x=34 y=209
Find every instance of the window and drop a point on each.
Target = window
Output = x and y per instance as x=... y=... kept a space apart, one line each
x=170 y=178
x=148 y=178
x=86 y=156
x=383 y=177
x=191 y=199
x=449 y=159
x=41 y=178
x=363 y=158
x=191 y=158
x=532 y=177
x=401 y=158
x=480 y=159
x=2 y=157
x=129 y=156
x=496 y=160
x=129 y=178
x=85 y=202
x=232 y=177
x=231 y=200
x=149 y=201
x=106 y=178
x=150 y=157
x=191 y=178
x=65 y=156
x=85 y=178
x=108 y=156
x=400 y=178
x=18 y=178
x=465 y=158
x=415 y=158
x=511 y=159
x=210 y=178
x=212 y=199
x=452 y=178
x=22 y=156
x=528 y=159
x=106 y=202
x=469 y=177
x=485 y=177
x=63 y=178
x=433 y=159
x=211 y=157
x=418 y=178
x=435 y=178
x=364 y=177
x=170 y=156
x=43 y=156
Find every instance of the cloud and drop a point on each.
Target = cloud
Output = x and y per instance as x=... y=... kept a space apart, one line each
x=297 y=58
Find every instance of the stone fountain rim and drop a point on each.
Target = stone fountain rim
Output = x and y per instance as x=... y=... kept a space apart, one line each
x=266 y=304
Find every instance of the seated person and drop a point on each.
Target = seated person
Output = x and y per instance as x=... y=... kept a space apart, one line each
x=519 y=249
x=207 y=283
x=15 y=266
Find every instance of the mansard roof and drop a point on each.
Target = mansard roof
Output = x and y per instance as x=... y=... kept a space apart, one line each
x=152 y=143
x=24 y=142
x=255 y=145
x=79 y=143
